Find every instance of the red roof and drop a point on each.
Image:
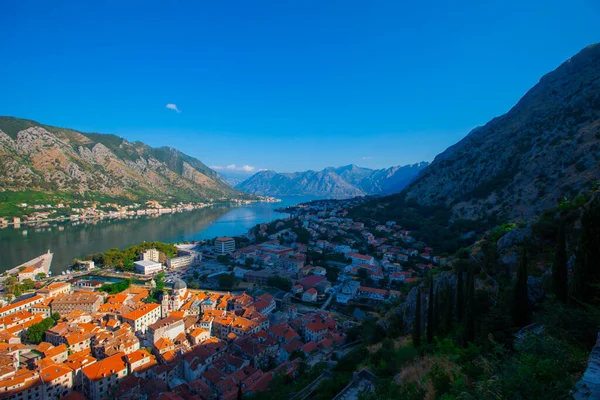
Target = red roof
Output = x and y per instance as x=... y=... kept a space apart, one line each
x=373 y=290
x=360 y=256
x=309 y=347
x=312 y=280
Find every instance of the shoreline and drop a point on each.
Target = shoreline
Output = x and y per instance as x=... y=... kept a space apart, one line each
x=134 y=214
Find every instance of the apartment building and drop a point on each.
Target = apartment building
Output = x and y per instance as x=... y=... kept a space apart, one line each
x=86 y=302
x=224 y=245
x=55 y=289
x=26 y=304
x=143 y=317
x=101 y=379
x=150 y=255
x=169 y=327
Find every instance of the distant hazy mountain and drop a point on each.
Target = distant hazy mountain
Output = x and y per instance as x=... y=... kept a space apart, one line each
x=59 y=161
x=234 y=177
x=342 y=182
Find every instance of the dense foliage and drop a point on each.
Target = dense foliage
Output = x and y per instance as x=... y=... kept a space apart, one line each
x=117 y=287
x=280 y=283
x=35 y=333
x=124 y=259
x=430 y=224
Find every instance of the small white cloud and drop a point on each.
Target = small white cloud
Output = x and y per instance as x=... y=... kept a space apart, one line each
x=233 y=167
x=173 y=107
x=367 y=158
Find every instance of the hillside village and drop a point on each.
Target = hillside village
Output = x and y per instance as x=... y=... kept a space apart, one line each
x=198 y=343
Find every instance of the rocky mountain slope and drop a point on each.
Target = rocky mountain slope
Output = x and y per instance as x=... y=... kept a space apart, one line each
x=545 y=148
x=57 y=160
x=342 y=182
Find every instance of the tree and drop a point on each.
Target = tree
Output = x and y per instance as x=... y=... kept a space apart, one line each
x=586 y=274
x=459 y=295
x=226 y=280
x=55 y=316
x=559 y=269
x=280 y=283
x=469 y=303
x=416 y=333
x=430 y=314
x=35 y=333
x=521 y=308
x=41 y=276
x=363 y=275
x=239 y=393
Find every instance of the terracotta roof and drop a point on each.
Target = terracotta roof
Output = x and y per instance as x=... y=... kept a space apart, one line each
x=309 y=347
x=141 y=311
x=53 y=372
x=382 y=292
x=20 y=303
x=106 y=367
x=56 y=350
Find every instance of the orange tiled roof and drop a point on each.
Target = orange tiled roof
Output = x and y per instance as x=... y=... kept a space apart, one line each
x=106 y=367
x=53 y=372
x=56 y=350
x=141 y=311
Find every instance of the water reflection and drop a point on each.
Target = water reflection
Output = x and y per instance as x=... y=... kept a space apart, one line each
x=75 y=239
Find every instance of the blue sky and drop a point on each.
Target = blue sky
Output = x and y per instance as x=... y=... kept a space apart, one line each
x=284 y=85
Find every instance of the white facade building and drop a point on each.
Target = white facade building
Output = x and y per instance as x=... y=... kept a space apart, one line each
x=224 y=245
x=146 y=267
x=150 y=255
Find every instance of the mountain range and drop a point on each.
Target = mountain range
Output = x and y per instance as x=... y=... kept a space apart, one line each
x=545 y=149
x=51 y=160
x=341 y=182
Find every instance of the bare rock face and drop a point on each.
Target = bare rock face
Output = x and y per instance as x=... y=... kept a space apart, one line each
x=509 y=244
x=38 y=157
x=407 y=309
x=588 y=388
x=545 y=148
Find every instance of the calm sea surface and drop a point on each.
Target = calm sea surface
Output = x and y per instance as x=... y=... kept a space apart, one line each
x=68 y=240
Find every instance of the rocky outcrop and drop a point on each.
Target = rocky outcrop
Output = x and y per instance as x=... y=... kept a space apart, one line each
x=407 y=309
x=48 y=159
x=588 y=388
x=509 y=245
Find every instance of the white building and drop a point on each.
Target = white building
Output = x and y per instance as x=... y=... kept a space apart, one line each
x=146 y=267
x=361 y=259
x=184 y=261
x=224 y=245
x=150 y=255
x=142 y=317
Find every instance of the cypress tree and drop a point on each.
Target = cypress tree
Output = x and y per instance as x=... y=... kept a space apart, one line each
x=449 y=309
x=559 y=269
x=431 y=314
x=521 y=308
x=416 y=333
x=586 y=274
x=239 y=393
x=460 y=301
x=469 y=315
